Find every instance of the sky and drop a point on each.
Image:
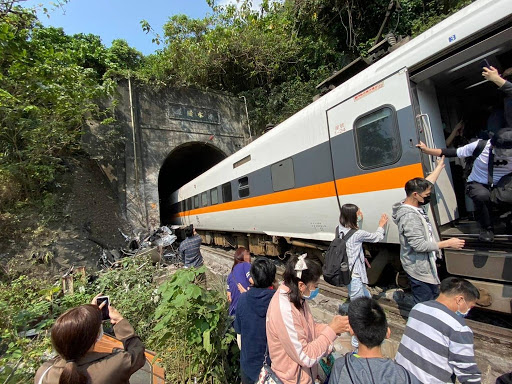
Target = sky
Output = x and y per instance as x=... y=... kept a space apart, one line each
x=120 y=19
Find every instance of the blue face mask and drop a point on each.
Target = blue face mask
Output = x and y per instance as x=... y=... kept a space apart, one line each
x=312 y=295
x=462 y=314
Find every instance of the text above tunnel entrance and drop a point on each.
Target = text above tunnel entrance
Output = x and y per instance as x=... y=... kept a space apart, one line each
x=183 y=164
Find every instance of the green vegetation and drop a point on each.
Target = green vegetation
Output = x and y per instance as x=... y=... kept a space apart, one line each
x=184 y=323
x=275 y=56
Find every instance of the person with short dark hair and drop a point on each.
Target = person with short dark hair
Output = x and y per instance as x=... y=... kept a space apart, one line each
x=480 y=182
x=369 y=324
x=250 y=319
x=437 y=345
x=74 y=335
x=239 y=279
x=190 y=249
x=418 y=246
x=296 y=342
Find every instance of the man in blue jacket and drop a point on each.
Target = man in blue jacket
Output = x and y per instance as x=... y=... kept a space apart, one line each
x=250 y=320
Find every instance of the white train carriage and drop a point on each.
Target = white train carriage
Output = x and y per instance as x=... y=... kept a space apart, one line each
x=357 y=144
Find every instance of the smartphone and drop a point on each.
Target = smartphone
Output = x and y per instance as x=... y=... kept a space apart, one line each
x=104 y=311
x=485 y=63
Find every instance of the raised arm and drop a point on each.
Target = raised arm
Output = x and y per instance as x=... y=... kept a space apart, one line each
x=492 y=74
x=437 y=170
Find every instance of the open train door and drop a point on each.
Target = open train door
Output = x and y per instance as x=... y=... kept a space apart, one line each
x=373 y=141
x=429 y=128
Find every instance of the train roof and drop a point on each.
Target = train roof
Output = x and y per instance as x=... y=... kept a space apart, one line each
x=478 y=18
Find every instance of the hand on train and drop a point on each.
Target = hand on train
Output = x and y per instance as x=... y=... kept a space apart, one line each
x=455 y=243
x=339 y=324
x=491 y=74
x=383 y=220
x=440 y=162
x=421 y=146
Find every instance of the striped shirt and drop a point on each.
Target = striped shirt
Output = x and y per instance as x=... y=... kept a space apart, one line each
x=190 y=252
x=437 y=346
x=355 y=252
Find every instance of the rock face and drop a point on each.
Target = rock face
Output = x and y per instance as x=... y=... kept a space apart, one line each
x=160 y=140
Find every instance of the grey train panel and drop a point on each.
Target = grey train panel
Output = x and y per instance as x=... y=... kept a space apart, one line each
x=313 y=166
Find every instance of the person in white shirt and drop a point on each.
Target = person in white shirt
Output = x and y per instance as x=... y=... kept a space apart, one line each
x=479 y=183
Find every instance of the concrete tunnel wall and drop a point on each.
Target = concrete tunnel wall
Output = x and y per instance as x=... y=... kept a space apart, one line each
x=175 y=135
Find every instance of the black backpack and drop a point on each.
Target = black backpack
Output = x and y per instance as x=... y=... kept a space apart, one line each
x=335 y=270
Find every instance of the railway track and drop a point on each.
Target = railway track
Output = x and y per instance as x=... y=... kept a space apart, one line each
x=481 y=330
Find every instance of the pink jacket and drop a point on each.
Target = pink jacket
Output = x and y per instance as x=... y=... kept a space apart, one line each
x=294 y=340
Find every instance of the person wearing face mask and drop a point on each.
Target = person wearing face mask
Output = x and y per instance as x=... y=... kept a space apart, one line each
x=418 y=247
x=350 y=217
x=437 y=345
x=296 y=343
x=74 y=335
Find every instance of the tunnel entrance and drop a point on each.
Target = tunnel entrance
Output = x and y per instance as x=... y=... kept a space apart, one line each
x=183 y=164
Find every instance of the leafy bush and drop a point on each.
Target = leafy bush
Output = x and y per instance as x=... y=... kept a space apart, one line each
x=186 y=324
x=193 y=331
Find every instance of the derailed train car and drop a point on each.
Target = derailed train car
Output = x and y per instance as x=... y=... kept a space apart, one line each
x=356 y=144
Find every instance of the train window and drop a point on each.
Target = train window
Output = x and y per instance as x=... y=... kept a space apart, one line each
x=214 y=196
x=377 y=138
x=243 y=187
x=196 y=201
x=204 y=199
x=283 y=176
x=226 y=193
x=189 y=204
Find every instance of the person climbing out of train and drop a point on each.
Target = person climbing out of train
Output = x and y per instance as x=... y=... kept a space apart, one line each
x=239 y=279
x=504 y=85
x=484 y=176
x=350 y=213
x=418 y=247
x=296 y=343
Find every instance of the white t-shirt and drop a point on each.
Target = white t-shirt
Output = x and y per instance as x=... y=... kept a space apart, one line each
x=502 y=166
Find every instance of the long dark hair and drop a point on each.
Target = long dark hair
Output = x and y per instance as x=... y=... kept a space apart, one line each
x=348 y=216
x=312 y=274
x=239 y=256
x=73 y=334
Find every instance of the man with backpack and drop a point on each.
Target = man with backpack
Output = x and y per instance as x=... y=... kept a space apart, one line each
x=418 y=247
x=493 y=161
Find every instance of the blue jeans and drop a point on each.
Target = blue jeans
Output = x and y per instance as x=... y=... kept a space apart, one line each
x=422 y=291
x=356 y=289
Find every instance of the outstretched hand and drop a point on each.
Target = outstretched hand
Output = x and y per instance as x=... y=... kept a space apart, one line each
x=440 y=162
x=490 y=73
x=421 y=146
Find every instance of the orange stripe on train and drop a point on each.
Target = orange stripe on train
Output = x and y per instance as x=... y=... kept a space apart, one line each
x=375 y=181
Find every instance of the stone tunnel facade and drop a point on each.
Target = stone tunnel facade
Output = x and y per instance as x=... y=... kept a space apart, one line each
x=161 y=140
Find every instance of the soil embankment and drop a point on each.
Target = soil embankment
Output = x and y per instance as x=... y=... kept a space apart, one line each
x=69 y=227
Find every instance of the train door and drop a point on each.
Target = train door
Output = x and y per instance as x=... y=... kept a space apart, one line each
x=430 y=130
x=373 y=138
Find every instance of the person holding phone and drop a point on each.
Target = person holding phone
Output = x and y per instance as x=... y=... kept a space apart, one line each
x=74 y=335
x=504 y=85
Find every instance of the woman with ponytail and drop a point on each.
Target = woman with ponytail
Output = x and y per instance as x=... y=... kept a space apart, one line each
x=74 y=335
x=296 y=343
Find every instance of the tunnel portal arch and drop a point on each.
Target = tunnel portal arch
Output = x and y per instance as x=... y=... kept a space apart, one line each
x=183 y=164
